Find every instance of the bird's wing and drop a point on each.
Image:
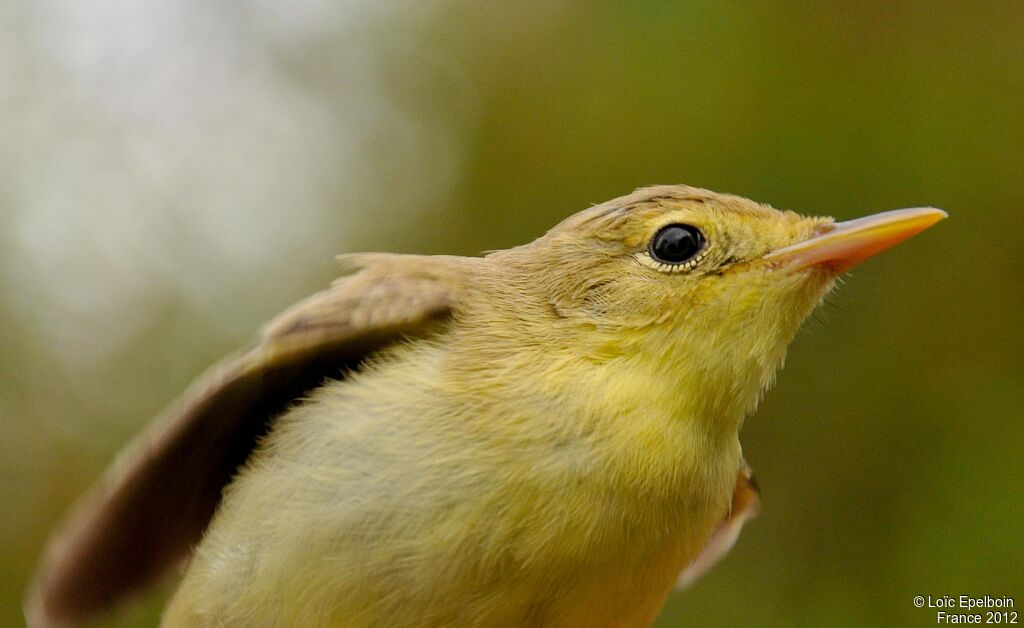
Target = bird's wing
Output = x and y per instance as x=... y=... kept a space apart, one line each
x=746 y=501
x=156 y=500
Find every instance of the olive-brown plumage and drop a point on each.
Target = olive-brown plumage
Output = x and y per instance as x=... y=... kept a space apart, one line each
x=542 y=436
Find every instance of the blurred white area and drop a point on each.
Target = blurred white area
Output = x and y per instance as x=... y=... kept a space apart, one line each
x=205 y=150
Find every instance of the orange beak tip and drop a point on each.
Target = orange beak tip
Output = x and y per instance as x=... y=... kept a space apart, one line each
x=840 y=246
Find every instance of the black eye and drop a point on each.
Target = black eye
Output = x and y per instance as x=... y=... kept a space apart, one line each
x=676 y=244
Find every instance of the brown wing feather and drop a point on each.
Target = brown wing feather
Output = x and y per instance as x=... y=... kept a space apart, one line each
x=157 y=499
x=746 y=501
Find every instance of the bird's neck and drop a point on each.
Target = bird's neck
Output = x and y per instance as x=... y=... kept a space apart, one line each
x=708 y=381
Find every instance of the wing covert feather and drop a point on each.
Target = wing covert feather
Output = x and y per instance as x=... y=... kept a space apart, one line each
x=156 y=500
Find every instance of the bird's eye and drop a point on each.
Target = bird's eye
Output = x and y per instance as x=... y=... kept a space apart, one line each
x=676 y=244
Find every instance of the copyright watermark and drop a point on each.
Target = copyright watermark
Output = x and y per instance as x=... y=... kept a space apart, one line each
x=970 y=609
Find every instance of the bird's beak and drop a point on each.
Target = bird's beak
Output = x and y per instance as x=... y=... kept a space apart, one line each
x=842 y=245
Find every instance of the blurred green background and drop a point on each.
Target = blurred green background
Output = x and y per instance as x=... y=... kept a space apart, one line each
x=173 y=174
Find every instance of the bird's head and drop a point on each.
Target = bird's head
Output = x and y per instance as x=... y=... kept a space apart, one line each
x=698 y=286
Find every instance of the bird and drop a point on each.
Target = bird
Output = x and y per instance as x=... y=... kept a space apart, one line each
x=546 y=435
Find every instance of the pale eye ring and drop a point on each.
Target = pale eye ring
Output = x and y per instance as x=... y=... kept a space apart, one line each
x=676 y=244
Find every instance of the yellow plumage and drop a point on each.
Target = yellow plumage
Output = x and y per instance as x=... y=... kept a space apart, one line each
x=551 y=451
